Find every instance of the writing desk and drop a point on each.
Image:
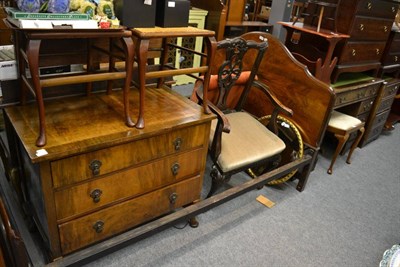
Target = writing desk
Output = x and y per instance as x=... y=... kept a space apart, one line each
x=28 y=43
x=142 y=38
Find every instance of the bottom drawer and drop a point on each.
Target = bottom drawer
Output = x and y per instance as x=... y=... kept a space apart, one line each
x=121 y=217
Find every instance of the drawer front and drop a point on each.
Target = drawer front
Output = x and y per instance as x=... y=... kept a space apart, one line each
x=391 y=90
x=368 y=29
x=391 y=59
x=343 y=98
x=365 y=106
x=395 y=45
x=380 y=119
x=121 y=217
x=377 y=8
x=386 y=103
x=78 y=168
x=94 y=194
x=355 y=52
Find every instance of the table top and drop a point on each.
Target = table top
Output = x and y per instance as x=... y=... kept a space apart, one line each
x=159 y=32
x=76 y=124
x=313 y=30
x=65 y=33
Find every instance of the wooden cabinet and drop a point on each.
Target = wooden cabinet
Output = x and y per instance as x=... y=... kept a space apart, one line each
x=368 y=22
x=97 y=178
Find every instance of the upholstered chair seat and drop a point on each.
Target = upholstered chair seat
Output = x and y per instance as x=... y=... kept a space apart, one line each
x=250 y=138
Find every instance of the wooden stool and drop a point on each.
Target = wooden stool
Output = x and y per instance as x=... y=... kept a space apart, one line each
x=342 y=125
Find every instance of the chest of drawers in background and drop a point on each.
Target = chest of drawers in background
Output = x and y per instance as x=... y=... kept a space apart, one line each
x=369 y=23
x=391 y=56
x=100 y=178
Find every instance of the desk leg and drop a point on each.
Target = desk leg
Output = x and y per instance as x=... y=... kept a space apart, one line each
x=142 y=48
x=32 y=53
x=129 y=54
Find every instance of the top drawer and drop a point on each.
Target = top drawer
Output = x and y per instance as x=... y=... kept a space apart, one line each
x=81 y=167
x=377 y=8
x=347 y=97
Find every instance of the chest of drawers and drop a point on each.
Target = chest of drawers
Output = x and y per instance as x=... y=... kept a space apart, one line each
x=369 y=23
x=97 y=178
x=391 y=56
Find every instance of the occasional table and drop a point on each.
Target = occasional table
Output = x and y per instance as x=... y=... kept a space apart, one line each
x=28 y=50
x=142 y=38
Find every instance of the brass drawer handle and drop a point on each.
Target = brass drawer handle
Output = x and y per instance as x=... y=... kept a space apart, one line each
x=94 y=166
x=377 y=51
x=178 y=144
x=396 y=58
x=385 y=28
x=95 y=194
x=369 y=5
x=173 y=197
x=353 y=52
x=393 y=9
x=175 y=168
x=361 y=27
x=98 y=226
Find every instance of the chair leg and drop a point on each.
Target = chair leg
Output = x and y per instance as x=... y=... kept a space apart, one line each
x=342 y=140
x=355 y=144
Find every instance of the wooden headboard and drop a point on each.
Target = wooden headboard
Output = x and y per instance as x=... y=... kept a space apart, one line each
x=310 y=99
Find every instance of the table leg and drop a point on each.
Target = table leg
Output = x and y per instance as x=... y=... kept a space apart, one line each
x=32 y=53
x=129 y=54
x=142 y=49
x=163 y=60
x=111 y=64
x=211 y=46
x=89 y=67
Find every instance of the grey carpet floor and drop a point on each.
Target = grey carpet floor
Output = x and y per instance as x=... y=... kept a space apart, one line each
x=348 y=218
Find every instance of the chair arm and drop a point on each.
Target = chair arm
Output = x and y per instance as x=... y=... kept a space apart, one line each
x=265 y=89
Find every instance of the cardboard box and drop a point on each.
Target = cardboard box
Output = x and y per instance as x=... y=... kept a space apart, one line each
x=8 y=65
x=172 y=13
x=136 y=13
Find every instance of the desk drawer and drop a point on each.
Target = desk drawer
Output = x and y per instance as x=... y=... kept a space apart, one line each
x=78 y=168
x=343 y=98
x=386 y=103
x=121 y=217
x=391 y=89
x=126 y=184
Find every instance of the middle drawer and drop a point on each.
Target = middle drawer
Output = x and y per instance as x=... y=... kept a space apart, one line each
x=94 y=194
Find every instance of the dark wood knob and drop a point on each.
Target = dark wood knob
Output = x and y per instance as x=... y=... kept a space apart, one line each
x=95 y=194
x=175 y=168
x=98 y=226
x=178 y=143
x=173 y=197
x=94 y=166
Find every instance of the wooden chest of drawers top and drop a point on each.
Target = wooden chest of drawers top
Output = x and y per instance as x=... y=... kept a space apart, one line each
x=351 y=10
x=74 y=126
